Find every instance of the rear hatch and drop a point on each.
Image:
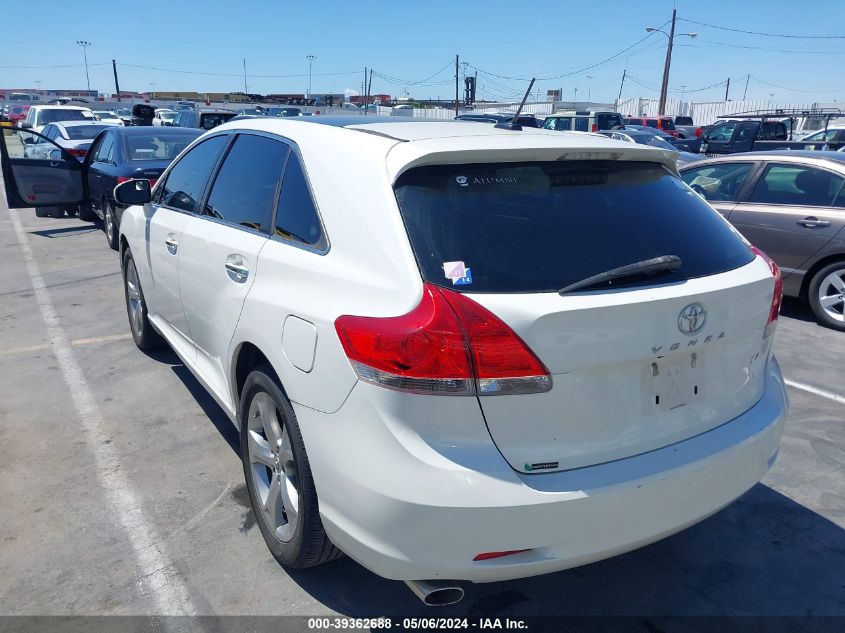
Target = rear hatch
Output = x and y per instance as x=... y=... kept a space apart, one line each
x=636 y=364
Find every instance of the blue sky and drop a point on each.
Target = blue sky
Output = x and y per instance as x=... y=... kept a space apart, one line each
x=407 y=42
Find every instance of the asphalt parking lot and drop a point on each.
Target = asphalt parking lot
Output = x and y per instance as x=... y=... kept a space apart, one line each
x=137 y=505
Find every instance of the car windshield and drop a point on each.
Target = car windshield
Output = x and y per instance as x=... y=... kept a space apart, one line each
x=123 y=112
x=54 y=115
x=167 y=116
x=84 y=132
x=539 y=226
x=654 y=141
x=154 y=146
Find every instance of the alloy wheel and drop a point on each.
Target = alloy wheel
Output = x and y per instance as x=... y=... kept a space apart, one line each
x=109 y=223
x=831 y=295
x=273 y=465
x=134 y=300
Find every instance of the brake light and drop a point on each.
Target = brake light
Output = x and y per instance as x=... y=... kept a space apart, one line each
x=595 y=127
x=777 y=295
x=122 y=179
x=697 y=132
x=77 y=152
x=447 y=345
x=489 y=555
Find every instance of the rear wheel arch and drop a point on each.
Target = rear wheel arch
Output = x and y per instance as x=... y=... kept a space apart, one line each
x=816 y=267
x=247 y=357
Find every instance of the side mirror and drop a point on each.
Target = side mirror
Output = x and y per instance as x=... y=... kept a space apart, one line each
x=56 y=154
x=26 y=126
x=133 y=192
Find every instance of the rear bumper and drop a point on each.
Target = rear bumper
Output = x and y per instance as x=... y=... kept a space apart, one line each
x=408 y=509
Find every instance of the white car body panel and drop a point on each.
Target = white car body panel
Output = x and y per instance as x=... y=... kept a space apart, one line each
x=392 y=468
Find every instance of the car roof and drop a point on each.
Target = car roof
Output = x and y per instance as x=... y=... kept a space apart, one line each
x=60 y=107
x=164 y=130
x=781 y=154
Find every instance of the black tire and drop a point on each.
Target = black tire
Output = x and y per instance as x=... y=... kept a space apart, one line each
x=42 y=212
x=110 y=227
x=827 y=317
x=86 y=212
x=308 y=545
x=145 y=336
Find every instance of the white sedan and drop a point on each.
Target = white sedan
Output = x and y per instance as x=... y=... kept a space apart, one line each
x=456 y=352
x=107 y=116
x=75 y=137
x=164 y=116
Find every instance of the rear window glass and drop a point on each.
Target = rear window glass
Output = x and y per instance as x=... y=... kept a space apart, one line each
x=608 y=121
x=156 y=146
x=666 y=124
x=54 y=115
x=582 y=124
x=539 y=226
x=83 y=132
x=209 y=120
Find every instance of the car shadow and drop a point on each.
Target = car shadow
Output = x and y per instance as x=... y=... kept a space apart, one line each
x=762 y=555
x=797 y=309
x=67 y=231
x=209 y=406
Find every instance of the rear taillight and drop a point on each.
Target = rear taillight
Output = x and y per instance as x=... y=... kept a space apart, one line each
x=489 y=555
x=448 y=345
x=697 y=132
x=77 y=152
x=595 y=127
x=777 y=295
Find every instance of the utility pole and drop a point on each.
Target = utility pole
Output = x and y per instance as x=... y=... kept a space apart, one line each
x=664 y=87
x=116 y=85
x=457 y=63
x=85 y=44
x=727 y=88
x=364 y=91
x=245 y=89
x=745 y=92
x=369 y=87
x=589 y=87
x=624 y=73
x=576 y=95
x=310 y=59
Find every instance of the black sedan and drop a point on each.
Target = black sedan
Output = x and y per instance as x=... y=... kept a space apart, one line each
x=122 y=153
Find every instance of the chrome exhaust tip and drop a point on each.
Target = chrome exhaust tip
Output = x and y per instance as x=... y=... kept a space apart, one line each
x=436 y=593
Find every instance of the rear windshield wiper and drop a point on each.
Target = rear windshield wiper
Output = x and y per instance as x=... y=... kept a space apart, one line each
x=651 y=266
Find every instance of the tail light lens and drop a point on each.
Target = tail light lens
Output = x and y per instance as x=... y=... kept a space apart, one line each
x=447 y=345
x=122 y=179
x=595 y=127
x=777 y=295
x=489 y=555
x=697 y=132
x=77 y=152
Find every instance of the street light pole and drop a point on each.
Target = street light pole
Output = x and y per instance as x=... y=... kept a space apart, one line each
x=664 y=86
x=310 y=59
x=85 y=44
x=589 y=87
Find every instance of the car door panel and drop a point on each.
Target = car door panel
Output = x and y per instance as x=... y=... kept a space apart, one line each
x=217 y=268
x=220 y=251
x=772 y=218
x=57 y=179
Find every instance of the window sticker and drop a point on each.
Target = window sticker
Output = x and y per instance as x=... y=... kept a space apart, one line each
x=458 y=273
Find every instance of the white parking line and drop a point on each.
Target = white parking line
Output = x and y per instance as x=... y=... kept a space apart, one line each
x=815 y=391
x=156 y=573
x=75 y=343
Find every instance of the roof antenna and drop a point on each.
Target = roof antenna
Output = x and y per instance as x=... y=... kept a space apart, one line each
x=512 y=124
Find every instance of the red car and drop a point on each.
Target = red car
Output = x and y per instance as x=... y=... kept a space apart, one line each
x=16 y=113
x=664 y=123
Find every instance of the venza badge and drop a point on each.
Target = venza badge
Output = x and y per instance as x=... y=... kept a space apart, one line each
x=692 y=318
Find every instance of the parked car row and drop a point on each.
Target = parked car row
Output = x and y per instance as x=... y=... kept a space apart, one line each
x=420 y=328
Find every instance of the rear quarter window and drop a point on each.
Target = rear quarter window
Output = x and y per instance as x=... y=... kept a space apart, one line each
x=537 y=227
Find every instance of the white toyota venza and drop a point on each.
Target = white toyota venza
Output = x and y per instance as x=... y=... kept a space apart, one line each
x=453 y=351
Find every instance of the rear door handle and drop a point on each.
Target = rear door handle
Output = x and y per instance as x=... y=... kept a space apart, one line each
x=172 y=244
x=813 y=223
x=237 y=269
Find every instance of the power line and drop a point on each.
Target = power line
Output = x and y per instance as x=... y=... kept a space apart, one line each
x=773 y=50
x=397 y=80
x=766 y=83
x=580 y=70
x=800 y=37
x=240 y=74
